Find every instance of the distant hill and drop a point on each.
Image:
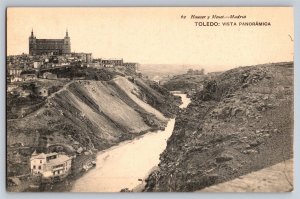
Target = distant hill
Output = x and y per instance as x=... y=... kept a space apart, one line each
x=185 y=82
x=160 y=71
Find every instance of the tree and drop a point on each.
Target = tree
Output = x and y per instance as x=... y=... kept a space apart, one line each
x=202 y=71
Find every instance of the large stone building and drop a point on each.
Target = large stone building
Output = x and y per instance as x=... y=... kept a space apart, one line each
x=49 y=46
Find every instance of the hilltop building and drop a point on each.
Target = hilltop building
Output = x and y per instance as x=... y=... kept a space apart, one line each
x=112 y=62
x=83 y=57
x=50 y=165
x=49 y=46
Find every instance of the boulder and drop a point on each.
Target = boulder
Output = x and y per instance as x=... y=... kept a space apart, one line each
x=224 y=158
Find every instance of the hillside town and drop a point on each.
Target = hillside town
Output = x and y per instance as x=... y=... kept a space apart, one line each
x=47 y=59
x=31 y=79
x=50 y=64
x=26 y=67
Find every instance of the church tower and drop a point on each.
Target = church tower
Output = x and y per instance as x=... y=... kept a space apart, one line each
x=32 y=43
x=67 y=44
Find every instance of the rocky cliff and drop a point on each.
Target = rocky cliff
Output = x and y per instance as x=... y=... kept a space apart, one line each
x=241 y=122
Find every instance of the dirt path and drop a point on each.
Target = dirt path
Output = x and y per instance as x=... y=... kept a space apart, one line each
x=276 y=178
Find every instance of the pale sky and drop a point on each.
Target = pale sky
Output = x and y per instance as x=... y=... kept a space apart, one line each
x=159 y=35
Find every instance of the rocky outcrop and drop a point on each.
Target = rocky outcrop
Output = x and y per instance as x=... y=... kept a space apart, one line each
x=187 y=83
x=241 y=122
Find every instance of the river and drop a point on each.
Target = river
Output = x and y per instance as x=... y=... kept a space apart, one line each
x=185 y=100
x=123 y=165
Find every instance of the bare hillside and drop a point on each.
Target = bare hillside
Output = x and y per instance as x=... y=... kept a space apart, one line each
x=241 y=122
x=92 y=115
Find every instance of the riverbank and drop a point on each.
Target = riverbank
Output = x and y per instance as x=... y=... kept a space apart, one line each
x=125 y=167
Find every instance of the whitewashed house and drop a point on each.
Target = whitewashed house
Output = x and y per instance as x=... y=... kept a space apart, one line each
x=50 y=165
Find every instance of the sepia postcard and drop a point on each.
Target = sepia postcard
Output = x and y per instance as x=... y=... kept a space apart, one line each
x=150 y=99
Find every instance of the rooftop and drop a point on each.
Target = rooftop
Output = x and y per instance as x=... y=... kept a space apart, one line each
x=41 y=155
x=59 y=160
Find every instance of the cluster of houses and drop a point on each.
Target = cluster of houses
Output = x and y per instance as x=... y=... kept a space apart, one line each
x=33 y=89
x=25 y=69
x=17 y=65
x=109 y=63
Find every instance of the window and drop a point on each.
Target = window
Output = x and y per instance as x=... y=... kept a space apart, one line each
x=40 y=167
x=57 y=166
x=34 y=167
x=41 y=161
